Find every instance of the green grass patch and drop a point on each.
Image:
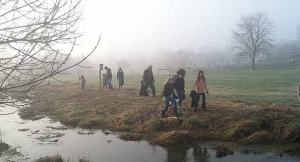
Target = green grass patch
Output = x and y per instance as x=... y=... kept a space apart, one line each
x=260 y=86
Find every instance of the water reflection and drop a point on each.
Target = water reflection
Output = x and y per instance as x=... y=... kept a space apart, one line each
x=177 y=154
x=194 y=153
x=32 y=144
x=200 y=154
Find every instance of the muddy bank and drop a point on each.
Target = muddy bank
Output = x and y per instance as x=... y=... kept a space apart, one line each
x=7 y=151
x=139 y=117
x=56 y=158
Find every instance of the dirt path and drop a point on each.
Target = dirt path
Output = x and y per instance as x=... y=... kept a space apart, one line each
x=139 y=117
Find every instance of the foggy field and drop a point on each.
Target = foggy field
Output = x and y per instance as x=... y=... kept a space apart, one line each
x=243 y=106
x=261 y=86
x=54 y=54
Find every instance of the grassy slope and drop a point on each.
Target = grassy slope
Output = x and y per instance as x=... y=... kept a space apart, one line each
x=233 y=115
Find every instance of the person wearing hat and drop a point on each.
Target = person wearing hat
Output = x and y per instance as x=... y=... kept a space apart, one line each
x=120 y=77
x=179 y=87
x=148 y=80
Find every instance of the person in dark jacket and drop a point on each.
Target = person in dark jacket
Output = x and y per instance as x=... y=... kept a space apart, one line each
x=167 y=96
x=108 y=77
x=120 y=77
x=148 y=79
x=179 y=86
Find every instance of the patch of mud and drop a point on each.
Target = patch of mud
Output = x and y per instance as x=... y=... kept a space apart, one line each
x=107 y=132
x=85 y=132
x=24 y=129
x=7 y=152
x=4 y=147
x=131 y=137
x=56 y=158
x=58 y=127
x=222 y=151
x=49 y=137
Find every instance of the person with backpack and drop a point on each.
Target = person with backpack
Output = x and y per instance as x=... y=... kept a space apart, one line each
x=167 y=96
x=108 y=77
x=120 y=77
x=201 y=90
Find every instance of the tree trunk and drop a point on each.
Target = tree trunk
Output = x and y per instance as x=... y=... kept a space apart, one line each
x=253 y=64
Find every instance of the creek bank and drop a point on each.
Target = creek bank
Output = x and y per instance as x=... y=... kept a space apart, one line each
x=139 y=117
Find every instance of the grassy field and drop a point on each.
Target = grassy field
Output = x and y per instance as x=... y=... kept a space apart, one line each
x=261 y=86
x=243 y=106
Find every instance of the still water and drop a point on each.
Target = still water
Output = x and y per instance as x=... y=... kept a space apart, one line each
x=35 y=139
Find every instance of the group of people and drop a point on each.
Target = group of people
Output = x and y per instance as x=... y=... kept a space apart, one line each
x=174 y=90
x=107 y=78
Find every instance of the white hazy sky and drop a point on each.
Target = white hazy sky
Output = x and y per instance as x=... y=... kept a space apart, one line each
x=145 y=26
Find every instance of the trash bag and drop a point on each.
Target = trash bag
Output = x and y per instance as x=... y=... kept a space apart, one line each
x=192 y=95
x=143 y=90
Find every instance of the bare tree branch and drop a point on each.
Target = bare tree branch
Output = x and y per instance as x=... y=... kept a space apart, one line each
x=34 y=36
x=253 y=36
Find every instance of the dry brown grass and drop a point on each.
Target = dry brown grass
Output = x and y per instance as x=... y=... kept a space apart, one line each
x=124 y=110
x=55 y=158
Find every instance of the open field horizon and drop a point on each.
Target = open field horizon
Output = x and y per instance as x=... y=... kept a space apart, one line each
x=261 y=86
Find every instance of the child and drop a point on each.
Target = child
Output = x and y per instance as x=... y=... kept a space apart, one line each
x=82 y=82
x=167 y=92
x=104 y=82
x=200 y=88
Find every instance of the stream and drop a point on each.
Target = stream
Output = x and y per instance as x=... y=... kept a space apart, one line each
x=31 y=140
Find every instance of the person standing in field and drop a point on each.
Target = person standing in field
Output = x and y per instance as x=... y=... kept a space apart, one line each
x=179 y=87
x=167 y=96
x=120 y=77
x=201 y=90
x=104 y=81
x=82 y=82
x=148 y=79
x=108 y=77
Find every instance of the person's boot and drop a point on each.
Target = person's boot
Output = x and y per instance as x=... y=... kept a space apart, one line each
x=163 y=114
x=176 y=113
x=153 y=92
x=204 y=107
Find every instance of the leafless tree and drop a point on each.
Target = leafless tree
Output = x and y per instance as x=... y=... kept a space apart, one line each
x=37 y=37
x=253 y=36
